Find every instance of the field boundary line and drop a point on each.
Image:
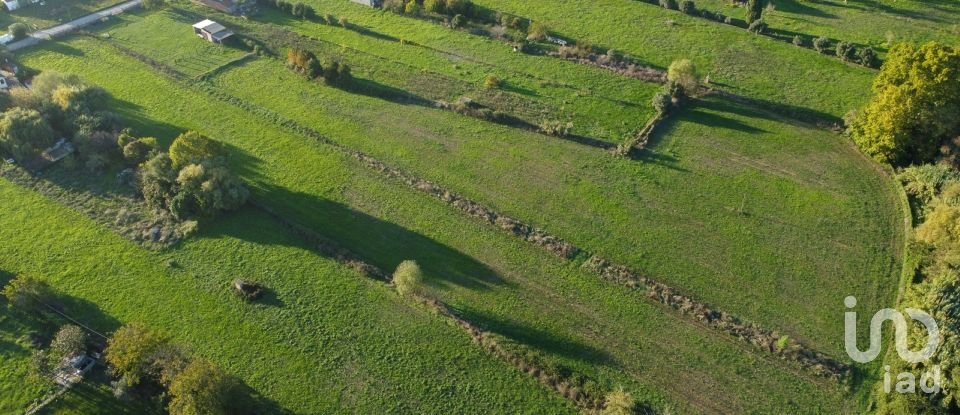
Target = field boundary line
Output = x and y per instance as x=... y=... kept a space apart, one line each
x=766 y=340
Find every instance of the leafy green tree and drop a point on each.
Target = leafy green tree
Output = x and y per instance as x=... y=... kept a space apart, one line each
x=662 y=102
x=207 y=189
x=24 y=133
x=130 y=351
x=684 y=73
x=868 y=57
x=140 y=150
x=846 y=51
x=76 y=100
x=27 y=292
x=69 y=341
x=204 y=389
x=408 y=278
x=192 y=147
x=158 y=182
x=46 y=82
x=916 y=99
x=821 y=44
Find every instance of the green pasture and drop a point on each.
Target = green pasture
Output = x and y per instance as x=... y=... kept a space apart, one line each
x=609 y=334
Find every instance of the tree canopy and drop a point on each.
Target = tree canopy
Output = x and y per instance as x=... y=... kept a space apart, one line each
x=913 y=112
x=24 y=133
x=192 y=147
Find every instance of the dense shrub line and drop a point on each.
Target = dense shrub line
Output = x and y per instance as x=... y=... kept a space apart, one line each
x=524 y=231
x=591 y=399
x=754 y=23
x=767 y=340
x=588 y=397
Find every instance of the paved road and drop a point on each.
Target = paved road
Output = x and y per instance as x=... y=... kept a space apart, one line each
x=60 y=30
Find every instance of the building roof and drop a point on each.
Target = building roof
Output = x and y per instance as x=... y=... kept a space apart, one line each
x=210 y=26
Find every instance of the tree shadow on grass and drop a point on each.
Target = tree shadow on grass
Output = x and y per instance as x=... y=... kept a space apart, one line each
x=375 y=241
x=63 y=49
x=798 y=7
x=714 y=120
x=541 y=340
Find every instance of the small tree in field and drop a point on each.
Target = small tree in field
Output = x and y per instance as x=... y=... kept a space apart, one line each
x=407 y=278
x=868 y=57
x=662 y=102
x=846 y=51
x=684 y=73
x=821 y=44
x=798 y=41
x=130 y=350
x=688 y=7
x=69 y=341
x=192 y=147
x=203 y=388
x=26 y=292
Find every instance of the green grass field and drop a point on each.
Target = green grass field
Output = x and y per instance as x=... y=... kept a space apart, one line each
x=733 y=59
x=52 y=12
x=500 y=282
x=738 y=206
x=796 y=185
x=866 y=22
x=325 y=341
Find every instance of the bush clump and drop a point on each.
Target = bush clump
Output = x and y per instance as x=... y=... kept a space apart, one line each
x=408 y=278
x=821 y=44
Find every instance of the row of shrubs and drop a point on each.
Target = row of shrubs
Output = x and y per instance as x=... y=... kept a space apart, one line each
x=333 y=71
x=755 y=24
x=305 y=11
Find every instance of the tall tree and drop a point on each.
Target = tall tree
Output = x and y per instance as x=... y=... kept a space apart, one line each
x=916 y=99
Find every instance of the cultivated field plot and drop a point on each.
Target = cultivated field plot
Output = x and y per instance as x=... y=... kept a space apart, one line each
x=172 y=45
x=512 y=288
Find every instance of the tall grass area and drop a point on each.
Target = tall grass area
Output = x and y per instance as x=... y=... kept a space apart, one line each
x=323 y=341
x=493 y=279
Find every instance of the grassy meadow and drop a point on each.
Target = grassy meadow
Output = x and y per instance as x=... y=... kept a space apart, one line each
x=495 y=280
x=52 y=12
x=875 y=23
x=759 y=200
x=803 y=82
x=325 y=341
